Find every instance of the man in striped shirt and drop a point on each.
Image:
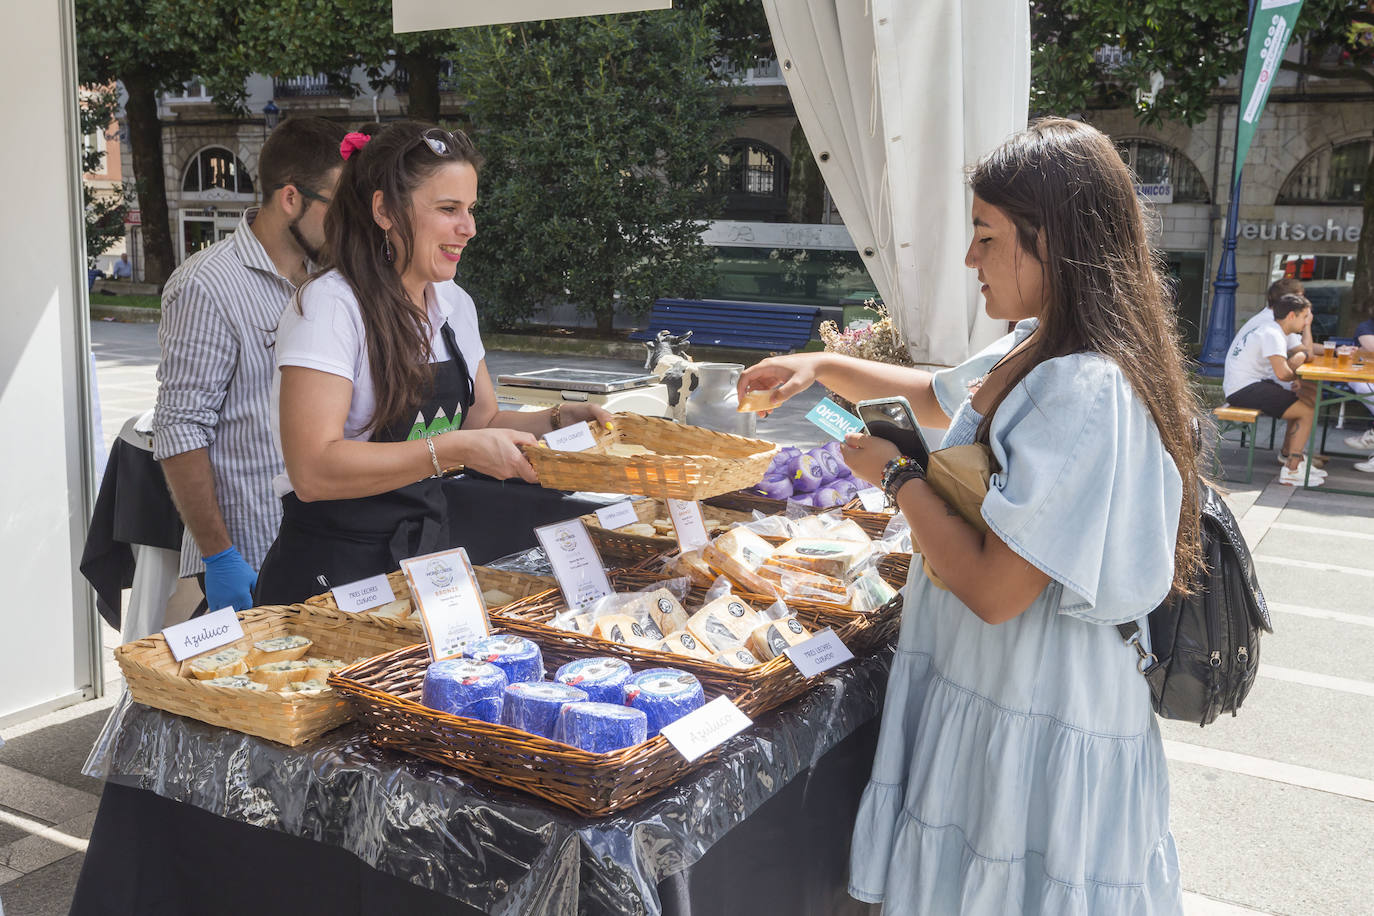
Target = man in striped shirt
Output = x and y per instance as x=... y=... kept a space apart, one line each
x=211 y=427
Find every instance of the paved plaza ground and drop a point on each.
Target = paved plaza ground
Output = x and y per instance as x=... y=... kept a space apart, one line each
x=1273 y=811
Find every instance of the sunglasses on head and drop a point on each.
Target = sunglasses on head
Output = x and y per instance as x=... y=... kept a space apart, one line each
x=444 y=143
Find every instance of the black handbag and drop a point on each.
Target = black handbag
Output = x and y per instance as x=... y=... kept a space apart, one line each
x=1205 y=647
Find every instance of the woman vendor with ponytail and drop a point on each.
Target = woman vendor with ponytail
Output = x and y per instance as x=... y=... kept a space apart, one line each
x=382 y=384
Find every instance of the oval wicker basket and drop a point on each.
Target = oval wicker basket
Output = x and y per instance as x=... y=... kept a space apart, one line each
x=688 y=462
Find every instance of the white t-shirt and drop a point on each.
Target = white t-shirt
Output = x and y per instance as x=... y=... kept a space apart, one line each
x=327 y=334
x=1266 y=314
x=1248 y=362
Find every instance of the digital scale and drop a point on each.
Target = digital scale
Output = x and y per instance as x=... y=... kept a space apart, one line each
x=617 y=391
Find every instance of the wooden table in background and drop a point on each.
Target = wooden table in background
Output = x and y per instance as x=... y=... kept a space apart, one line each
x=1324 y=370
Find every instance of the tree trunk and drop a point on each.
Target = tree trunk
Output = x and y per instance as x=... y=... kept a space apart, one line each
x=1361 y=304
x=605 y=318
x=145 y=142
x=423 y=68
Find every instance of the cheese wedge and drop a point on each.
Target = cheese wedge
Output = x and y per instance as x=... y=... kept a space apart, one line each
x=737 y=658
x=400 y=609
x=796 y=582
x=318 y=669
x=724 y=623
x=827 y=556
x=743 y=547
x=685 y=644
x=666 y=611
x=224 y=663
x=309 y=688
x=776 y=636
x=278 y=649
x=277 y=675
x=692 y=565
x=870 y=592
x=238 y=682
x=626 y=630
x=494 y=597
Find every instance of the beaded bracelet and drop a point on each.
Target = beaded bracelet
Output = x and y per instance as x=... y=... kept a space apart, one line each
x=897 y=472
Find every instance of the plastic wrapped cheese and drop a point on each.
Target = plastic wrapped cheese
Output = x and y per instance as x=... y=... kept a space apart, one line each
x=664 y=694
x=724 y=623
x=602 y=677
x=600 y=727
x=464 y=687
x=736 y=658
x=777 y=636
x=533 y=706
x=666 y=611
x=680 y=642
x=517 y=656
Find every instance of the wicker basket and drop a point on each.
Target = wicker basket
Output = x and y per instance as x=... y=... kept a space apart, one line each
x=763 y=686
x=616 y=545
x=873 y=523
x=156 y=679
x=517 y=585
x=385 y=691
x=691 y=462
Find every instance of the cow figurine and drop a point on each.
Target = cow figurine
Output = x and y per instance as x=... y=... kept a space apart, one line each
x=668 y=360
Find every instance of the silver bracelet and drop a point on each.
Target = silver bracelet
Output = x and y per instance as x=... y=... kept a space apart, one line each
x=434 y=457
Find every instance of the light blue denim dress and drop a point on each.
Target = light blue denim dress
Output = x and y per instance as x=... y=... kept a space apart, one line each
x=1020 y=768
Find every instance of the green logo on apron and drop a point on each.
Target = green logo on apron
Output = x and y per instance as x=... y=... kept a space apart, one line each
x=441 y=424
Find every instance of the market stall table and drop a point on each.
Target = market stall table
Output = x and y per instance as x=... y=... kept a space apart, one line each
x=200 y=819
x=1326 y=370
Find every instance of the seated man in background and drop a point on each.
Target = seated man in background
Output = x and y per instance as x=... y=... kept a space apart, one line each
x=122 y=269
x=1261 y=375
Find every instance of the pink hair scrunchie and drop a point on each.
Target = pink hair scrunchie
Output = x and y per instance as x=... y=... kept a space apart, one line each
x=352 y=142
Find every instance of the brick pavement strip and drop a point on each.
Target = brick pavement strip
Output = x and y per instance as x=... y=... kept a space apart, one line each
x=46 y=846
x=38 y=797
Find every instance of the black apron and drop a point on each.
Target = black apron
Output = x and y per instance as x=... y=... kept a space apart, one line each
x=336 y=541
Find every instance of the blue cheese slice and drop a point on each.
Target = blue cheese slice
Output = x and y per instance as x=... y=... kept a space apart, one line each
x=277 y=675
x=224 y=663
x=278 y=649
x=238 y=682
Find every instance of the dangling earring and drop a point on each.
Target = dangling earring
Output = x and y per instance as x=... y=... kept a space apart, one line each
x=387 y=251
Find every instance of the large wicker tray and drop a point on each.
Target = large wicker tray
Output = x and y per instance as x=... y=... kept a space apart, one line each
x=156 y=679
x=763 y=686
x=691 y=462
x=385 y=691
x=517 y=585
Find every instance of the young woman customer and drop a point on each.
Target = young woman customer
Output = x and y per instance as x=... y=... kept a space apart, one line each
x=382 y=383
x=1020 y=768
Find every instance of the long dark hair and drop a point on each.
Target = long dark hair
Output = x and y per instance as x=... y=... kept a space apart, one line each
x=395 y=161
x=1105 y=285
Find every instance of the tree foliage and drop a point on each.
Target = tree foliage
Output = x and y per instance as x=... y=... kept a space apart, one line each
x=105 y=212
x=152 y=46
x=597 y=133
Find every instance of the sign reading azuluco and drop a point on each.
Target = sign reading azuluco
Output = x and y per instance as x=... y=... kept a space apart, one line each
x=1284 y=230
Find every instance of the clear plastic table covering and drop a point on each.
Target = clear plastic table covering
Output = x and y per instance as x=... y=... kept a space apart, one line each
x=501 y=851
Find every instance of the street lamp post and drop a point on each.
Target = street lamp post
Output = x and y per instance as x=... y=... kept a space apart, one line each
x=271 y=115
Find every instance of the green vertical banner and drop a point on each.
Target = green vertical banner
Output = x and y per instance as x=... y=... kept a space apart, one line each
x=1267 y=42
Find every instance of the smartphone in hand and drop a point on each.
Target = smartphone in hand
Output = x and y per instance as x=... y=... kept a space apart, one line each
x=892 y=419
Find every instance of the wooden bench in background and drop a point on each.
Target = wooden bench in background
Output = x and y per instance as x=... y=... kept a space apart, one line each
x=724 y=323
x=1245 y=420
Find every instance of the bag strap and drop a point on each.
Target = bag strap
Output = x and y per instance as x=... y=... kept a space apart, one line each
x=1130 y=635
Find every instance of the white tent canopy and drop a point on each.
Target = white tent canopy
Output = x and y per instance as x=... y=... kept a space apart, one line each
x=896 y=98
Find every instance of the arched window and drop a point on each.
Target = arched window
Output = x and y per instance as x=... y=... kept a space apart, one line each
x=1332 y=175
x=1156 y=164
x=753 y=176
x=216 y=172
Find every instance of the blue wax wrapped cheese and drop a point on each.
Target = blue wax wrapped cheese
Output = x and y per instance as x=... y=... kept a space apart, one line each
x=533 y=706
x=602 y=677
x=664 y=694
x=519 y=657
x=464 y=687
x=600 y=727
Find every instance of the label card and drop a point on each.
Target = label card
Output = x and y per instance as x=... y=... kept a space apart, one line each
x=834 y=419
x=618 y=515
x=576 y=564
x=445 y=591
x=873 y=499
x=201 y=634
x=576 y=437
x=689 y=523
x=819 y=653
x=374 y=591
x=706 y=728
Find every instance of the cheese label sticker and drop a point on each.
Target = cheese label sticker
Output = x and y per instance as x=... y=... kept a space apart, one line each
x=819 y=653
x=445 y=591
x=576 y=437
x=689 y=523
x=872 y=498
x=834 y=419
x=706 y=728
x=576 y=564
x=201 y=634
x=618 y=515
x=374 y=591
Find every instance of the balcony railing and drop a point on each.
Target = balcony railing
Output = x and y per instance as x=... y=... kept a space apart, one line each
x=299 y=87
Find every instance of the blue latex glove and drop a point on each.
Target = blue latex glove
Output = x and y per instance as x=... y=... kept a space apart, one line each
x=229 y=580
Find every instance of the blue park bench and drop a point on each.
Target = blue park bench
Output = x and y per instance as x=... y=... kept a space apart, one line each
x=722 y=323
